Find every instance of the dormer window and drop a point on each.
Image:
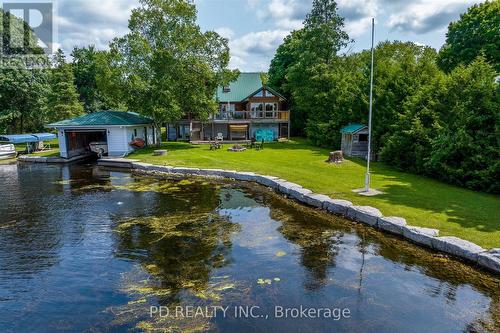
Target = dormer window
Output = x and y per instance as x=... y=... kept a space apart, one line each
x=226 y=89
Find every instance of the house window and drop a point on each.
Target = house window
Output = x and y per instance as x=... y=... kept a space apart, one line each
x=260 y=94
x=270 y=110
x=363 y=138
x=257 y=107
x=227 y=108
x=271 y=106
x=135 y=132
x=226 y=89
x=269 y=94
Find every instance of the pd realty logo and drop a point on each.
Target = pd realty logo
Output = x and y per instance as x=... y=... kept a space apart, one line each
x=28 y=29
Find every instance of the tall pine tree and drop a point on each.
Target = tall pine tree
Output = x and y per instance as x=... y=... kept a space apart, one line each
x=63 y=100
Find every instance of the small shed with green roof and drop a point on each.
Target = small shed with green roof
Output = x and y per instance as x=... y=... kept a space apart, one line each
x=113 y=130
x=355 y=140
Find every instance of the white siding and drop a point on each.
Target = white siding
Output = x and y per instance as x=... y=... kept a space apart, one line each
x=61 y=136
x=117 y=141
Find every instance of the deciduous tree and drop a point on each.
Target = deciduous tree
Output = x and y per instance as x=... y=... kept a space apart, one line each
x=476 y=32
x=166 y=67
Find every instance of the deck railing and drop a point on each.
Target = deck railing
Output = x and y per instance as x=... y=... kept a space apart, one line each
x=253 y=115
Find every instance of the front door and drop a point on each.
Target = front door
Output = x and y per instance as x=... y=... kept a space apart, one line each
x=184 y=132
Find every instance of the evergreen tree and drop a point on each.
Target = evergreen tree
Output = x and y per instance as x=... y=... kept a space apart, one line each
x=310 y=52
x=63 y=100
x=467 y=151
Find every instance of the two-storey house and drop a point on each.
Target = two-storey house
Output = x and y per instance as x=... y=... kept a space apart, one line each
x=247 y=109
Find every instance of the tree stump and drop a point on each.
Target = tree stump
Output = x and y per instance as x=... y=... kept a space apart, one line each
x=160 y=152
x=336 y=157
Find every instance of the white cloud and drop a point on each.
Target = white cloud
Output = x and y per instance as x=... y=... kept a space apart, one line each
x=285 y=14
x=86 y=22
x=225 y=32
x=357 y=14
x=253 y=50
x=427 y=15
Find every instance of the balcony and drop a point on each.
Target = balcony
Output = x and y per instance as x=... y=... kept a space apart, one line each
x=252 y=115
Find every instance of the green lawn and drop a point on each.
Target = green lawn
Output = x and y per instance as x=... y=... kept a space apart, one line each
x=52 y=152
x=422 y=201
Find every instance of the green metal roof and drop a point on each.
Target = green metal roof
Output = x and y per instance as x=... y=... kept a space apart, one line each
x=105 y=118
x=244 y=85
x=352 y=128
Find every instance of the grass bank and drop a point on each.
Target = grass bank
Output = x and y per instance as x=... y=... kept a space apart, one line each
x=52 y=152
x=422 y=201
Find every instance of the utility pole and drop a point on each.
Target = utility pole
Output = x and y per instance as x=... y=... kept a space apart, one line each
x=367 y=177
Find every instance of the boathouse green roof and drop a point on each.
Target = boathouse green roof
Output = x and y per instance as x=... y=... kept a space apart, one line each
x=105 y=118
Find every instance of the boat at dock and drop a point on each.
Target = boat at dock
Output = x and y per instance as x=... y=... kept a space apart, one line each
x=7 y=151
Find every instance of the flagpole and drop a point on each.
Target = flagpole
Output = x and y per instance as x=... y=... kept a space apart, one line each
x=367 y=178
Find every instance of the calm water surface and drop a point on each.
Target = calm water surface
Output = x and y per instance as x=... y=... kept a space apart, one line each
x=84 y=249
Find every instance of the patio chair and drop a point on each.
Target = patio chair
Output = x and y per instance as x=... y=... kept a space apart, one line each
x=259 y=145
x=219 y=137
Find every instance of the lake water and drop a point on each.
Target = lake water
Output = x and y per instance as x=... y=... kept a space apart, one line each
x=85 y=249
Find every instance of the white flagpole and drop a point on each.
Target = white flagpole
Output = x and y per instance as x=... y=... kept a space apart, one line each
x=367 y=178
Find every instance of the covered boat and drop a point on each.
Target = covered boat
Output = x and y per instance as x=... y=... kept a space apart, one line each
x=7 y=151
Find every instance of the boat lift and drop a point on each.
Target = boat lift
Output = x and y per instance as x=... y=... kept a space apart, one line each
x=34 y=142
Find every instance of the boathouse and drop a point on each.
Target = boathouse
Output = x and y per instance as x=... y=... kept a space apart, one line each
x=114 y=130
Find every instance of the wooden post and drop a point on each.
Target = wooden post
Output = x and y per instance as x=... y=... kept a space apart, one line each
x=289 y=124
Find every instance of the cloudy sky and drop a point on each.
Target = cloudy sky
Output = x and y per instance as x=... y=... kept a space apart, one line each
x=255 y=28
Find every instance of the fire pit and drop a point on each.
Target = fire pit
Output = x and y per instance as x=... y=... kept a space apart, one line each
x=237 y=148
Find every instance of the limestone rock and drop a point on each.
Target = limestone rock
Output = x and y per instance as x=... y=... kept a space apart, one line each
x=285 y=187
x=422 y=236
x=315 y=200
x=490 y=260
x=229 y=173
x=364 y=214
x=268 y=181
x=337 y=206
x=245 y=176
x=299 y=193
x=392 y=224
x=212 y=172
x=186 y=171
x=457 y=247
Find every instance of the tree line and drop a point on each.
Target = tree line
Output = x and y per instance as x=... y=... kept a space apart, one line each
x=164 y=68
x=435 y=113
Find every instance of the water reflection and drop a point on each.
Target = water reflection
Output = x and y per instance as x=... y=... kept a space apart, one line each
x=88 y=249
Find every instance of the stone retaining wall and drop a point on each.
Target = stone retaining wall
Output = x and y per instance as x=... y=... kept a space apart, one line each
x=363 y=214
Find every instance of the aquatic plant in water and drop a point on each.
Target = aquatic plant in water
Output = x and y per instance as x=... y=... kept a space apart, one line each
x=183 y=251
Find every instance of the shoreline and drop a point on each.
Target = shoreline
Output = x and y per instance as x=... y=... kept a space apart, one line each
x=370 y=216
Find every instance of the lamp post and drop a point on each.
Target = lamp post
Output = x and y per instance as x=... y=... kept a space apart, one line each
x=367 y=177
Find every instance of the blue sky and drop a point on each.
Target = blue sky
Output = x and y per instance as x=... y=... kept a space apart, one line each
x=255 y=28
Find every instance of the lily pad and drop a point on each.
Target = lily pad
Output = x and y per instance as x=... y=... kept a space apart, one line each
x=280 y=254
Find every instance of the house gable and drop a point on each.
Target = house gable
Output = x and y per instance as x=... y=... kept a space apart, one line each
x=265 y=92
